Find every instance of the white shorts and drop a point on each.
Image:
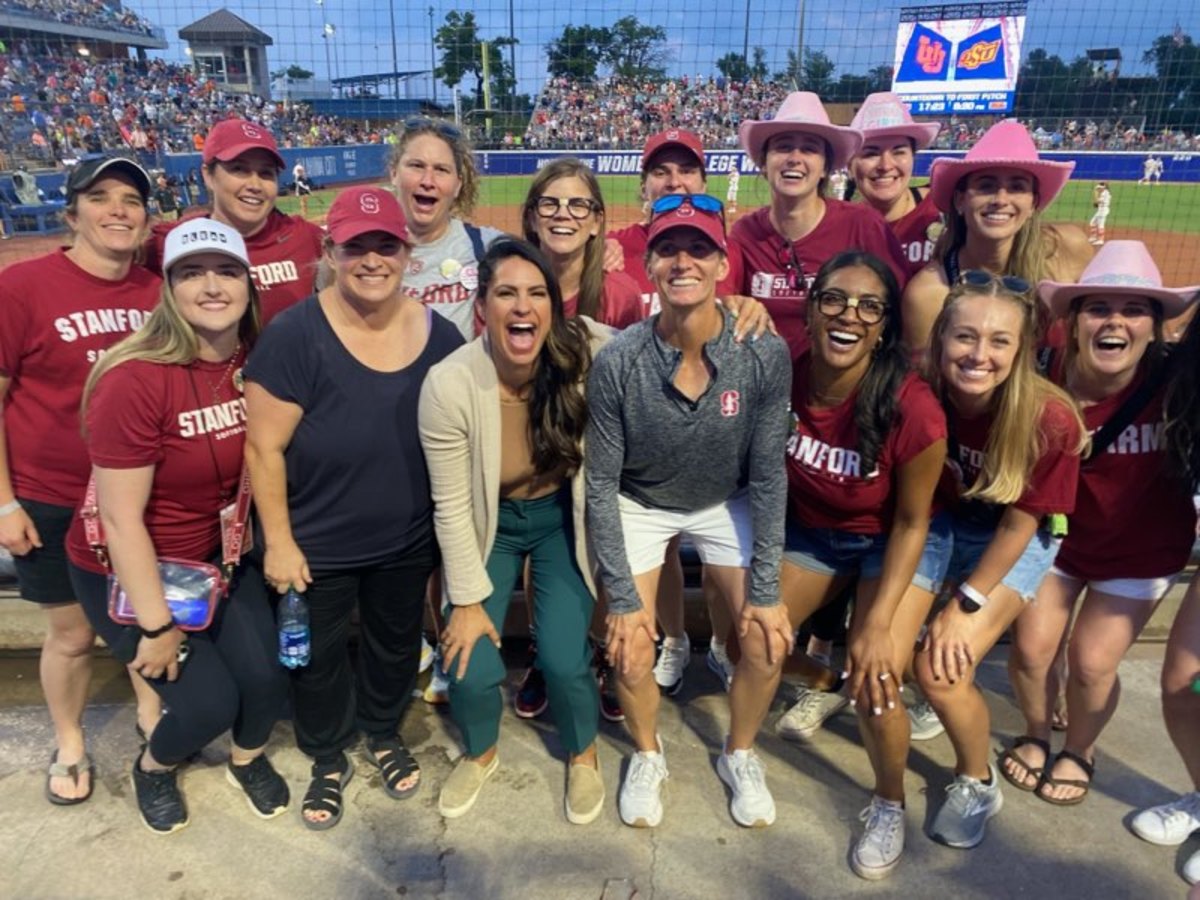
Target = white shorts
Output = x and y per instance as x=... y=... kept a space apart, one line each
x=722 y=534
x=731 y=195
x=1152 y=589
x=1098 y=220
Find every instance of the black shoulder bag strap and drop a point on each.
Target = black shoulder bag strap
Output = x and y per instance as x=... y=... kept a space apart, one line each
x=1129 y=410
x=476 y=238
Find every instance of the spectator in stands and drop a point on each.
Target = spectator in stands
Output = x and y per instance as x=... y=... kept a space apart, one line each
x=58 y=314
x=165 y=199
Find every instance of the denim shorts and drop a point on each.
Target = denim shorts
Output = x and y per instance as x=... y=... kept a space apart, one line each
x=1027 y=572
x=832 y=551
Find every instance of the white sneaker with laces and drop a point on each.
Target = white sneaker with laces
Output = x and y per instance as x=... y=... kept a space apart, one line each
x=752 y=805
x=720 y=665
x=1171 y=823
x=924 y=721
x=640 y=800
x=1191 y=868
x=809 y=713
x=882 y=843
x=672 y=660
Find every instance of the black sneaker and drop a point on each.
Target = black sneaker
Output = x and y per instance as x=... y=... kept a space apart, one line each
x=531 y=700
x=158 y=799
x=610 y=706
x=266 y=792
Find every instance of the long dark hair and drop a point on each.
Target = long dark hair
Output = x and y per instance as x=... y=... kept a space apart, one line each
x=1182 y=408
x=557 y=406
x=875 y=406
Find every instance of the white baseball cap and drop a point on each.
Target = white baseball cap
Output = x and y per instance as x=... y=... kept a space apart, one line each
x=203 y=235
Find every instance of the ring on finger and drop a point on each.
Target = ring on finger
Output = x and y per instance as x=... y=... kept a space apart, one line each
x=883 y=676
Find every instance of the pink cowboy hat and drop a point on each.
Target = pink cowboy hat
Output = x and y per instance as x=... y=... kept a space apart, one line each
x=1006 y=145
x=802 y=111
x=1121 y=267
x=884 y=116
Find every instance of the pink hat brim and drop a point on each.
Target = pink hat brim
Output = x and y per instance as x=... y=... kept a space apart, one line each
x=754 y=134
x=1058 y=295
x=921 y=134
x=946 y=172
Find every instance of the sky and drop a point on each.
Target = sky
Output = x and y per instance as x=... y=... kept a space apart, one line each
x=857 y=35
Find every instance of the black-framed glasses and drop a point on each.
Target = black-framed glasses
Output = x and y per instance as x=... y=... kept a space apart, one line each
x=832 y=304
x=438 y=126
x=577 y=207
x=700 y=202
x=979 y=278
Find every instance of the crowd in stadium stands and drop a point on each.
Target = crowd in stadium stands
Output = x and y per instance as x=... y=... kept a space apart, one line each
x=93 y=13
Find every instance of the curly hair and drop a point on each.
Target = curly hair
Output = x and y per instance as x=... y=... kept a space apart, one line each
x=464 y=161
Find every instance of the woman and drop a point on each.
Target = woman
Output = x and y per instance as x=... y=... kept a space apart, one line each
x=863 y=461
x=1134 y=525
x=241 y=166
x=1012 y=468
x=992 y=198
x=881 y=171
x=787 y=241
x=58 y=314
x=165 y=432
x=685 y=436
x=342 y=492
x=433 y=171
x=502 y=424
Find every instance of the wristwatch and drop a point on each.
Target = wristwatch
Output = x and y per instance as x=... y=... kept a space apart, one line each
x=969 y=599
x=157 y=632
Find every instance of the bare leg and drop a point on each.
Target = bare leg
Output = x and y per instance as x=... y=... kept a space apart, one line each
x=636 y=688
x=66 y=670
x=757 y=677
x=669 y=596
x=1181 y=666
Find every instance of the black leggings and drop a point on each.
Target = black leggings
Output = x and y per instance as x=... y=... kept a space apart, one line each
x=232 y=679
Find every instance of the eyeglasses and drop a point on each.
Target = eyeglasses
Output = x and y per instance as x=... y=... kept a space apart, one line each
x=980 y=278
x=435 y=125
x=577 y=207
x=832 y=304
x=701 y=202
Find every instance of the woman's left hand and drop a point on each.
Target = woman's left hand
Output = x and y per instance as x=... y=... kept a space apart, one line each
x=750 y=317
x=467 y=624
x=869 y=664
x=778 y=636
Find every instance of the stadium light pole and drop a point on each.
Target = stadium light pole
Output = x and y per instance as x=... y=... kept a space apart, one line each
x=395 y=58
x=746 y=41
x=432 y=57
x=800 y=51
x=512 y=49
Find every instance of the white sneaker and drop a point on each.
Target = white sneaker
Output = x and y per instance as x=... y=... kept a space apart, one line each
x=882 y=843
x=752 y=805
x=676 y=653
x=1191 y=868
x=640 y=800
x=721 y=666
x=925 y=722
x=427 y=655
x=809 y=713
x=437 y=691
x=1171 y=823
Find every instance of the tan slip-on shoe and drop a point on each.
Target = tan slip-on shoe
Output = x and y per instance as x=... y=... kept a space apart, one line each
x=461 y=789
x=585 y=793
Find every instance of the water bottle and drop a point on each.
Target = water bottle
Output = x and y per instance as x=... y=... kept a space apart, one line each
x=295 y=644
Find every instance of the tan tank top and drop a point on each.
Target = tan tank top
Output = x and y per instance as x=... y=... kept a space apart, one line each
x=518 y=481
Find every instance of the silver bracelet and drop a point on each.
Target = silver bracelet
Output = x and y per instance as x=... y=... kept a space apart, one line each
x=977 y=595
x=10 y=507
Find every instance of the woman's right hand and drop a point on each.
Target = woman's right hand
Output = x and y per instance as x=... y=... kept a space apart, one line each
x=159 y=656
x=285 y=567
x=18 y=534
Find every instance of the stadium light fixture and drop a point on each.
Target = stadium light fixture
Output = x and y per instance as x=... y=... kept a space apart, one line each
x=84 y=52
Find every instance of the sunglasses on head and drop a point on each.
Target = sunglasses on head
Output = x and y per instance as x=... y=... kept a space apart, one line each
x=980 y=278
x=435 y=125
x=700 y=202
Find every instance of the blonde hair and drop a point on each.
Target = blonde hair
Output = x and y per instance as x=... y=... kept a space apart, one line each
x=464 y=163
x=1015 y=440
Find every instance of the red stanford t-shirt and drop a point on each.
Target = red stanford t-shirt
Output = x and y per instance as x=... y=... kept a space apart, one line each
x=189 y=422
x=767 y=255
x=912 y=231
x=1132 y=519
x=620 y=304
x=1055 y=477
x=827 y=487
x=284 y=255
x=55 y=321
x=633 y=242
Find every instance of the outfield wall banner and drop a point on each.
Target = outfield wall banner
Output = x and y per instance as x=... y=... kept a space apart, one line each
x=959 y=59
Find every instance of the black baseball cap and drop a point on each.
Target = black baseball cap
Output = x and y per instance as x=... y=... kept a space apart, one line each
x=86 y=173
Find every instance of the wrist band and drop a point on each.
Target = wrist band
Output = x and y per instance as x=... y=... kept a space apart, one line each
x=10 y=507
x=968 y=591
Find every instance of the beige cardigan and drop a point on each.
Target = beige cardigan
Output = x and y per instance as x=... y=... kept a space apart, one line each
x=459 y=418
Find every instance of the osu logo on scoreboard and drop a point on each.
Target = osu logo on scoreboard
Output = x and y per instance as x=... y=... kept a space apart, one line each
x=979 y=55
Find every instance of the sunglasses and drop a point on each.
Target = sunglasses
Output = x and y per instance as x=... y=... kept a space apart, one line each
x=699 y=202
x=980 y=278
x=577 y=207
x=792 y=266
x=435 y=125
x=832 y=304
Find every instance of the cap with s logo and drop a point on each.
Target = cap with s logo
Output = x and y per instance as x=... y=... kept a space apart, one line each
x=364 y=209
x=230 y=138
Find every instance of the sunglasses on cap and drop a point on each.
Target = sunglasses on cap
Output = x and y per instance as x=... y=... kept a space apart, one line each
x=577 y=207
x=435 y=125
x=701 y=202
x=980 y=278
x=832 y=304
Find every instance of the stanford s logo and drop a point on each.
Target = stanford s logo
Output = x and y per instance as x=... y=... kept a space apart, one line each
x=369 y=204
x=730 y=402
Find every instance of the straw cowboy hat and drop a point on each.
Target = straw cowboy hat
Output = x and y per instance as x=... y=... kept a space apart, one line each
x=1005 y=145
x=884 y=116
x=803 y=112
x=1124 y=268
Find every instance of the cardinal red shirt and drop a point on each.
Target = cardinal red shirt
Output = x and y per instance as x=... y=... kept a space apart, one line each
x=55 y=321
x=620 y=305
x=189 y=423
x=1132 y=518
x=778 y=273
x=827 y=484
x=1055 y=477
x=915 y=235
x=634 y=240
x=284 y=255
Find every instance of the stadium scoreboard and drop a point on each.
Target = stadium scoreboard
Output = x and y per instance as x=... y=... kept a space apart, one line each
x=959 y=58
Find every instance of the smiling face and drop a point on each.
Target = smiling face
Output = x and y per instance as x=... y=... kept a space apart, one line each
x=794 y=165
x=211 y=292
x=1112 y=333
x=882 y=171
x=562 y=233
x=996 y=203
x=843 y=341
x=672 y=170
x=109 y=220
x=368 y=268
x=427 y=182
x=243 y=190
x=517 y=315
x=685 y=266
x=979 y=346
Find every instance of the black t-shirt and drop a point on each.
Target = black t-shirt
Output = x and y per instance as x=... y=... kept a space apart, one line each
x=358 y=488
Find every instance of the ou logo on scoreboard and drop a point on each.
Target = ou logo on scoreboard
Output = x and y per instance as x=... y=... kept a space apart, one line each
x=369 y=204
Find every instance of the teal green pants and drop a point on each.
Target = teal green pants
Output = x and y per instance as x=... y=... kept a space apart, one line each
x=542 y=531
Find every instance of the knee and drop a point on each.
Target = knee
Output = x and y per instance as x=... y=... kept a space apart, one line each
x=756 y=657
x=485 y=673
x=937 y=691
x=211 y=713
x=1032 y=655
x=72 y=639
x=639 y=662
x=561 y=662
x=1091 y=670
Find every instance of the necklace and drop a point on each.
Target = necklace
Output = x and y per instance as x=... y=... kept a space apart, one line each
x=215 y=386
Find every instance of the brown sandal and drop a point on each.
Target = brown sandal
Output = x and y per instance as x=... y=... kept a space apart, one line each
x=1049 y=780
x=1010 y=756
x=73 y=771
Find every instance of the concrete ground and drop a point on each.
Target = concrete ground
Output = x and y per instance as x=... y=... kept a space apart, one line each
x=516 y=842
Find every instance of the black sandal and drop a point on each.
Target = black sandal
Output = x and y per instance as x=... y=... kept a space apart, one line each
x=74 y=771
x=324 y=795
x=1010 y=756
x=1049 y=780
x=395 y=764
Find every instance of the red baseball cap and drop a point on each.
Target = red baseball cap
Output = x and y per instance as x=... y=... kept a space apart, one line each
x=709 y=224
x=673 y=137
x=230 y=138
x=363 y=209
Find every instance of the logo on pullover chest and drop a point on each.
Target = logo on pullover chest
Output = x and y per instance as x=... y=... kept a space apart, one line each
x=731 y=402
